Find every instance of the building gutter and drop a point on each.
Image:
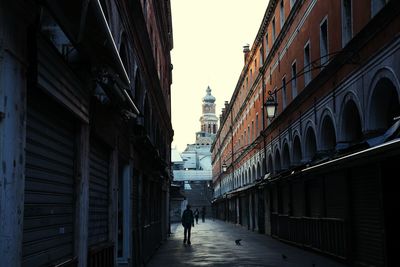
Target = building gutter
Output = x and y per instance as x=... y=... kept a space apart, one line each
x=92 y=36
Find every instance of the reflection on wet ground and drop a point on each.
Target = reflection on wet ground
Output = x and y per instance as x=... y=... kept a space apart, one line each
x=213 y=244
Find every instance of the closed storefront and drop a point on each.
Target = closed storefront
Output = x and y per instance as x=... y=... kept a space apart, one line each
x=244 y=210
x=297 y=199
x=49 y=210
x=336 y=195
x=98 y=193
x=314 y=198
x=274 y=210
x=367 y=225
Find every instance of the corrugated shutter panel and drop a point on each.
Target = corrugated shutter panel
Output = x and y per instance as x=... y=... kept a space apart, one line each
x=274 y=198
x=244 y=210
x=367 y=216
x=285 y=191
x=314 y=198
x=297 y=199
x=49 y=208
x=98 y=193
x=335 y=195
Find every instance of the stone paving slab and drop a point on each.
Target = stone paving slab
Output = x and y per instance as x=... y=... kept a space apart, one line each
x=213 y=244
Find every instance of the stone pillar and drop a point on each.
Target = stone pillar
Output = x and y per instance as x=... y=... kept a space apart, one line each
x=113 y=208
x=82 y=192
x=13 y=84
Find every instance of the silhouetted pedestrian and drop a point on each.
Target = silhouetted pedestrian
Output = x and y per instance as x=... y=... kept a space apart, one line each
x=187 y=223
x=196 y=215
x=203 y=213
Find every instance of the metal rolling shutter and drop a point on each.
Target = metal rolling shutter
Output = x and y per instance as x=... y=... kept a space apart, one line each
x=314 y=198
x=98 y=193
x=244 y=210
x=49 y=208
x=367 y=217
x=335 y=195
x=297 y=199
x=285 y=197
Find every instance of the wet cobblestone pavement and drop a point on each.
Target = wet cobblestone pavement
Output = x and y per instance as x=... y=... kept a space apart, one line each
x=213 y=244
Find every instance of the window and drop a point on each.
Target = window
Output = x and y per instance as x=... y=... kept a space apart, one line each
x=376 y=6
x=273 y=30
x=261 y=56
x=248 y=134
x=307 y=67
x=284 y=92
x=323 y=42
x=257 y=130
x=282 y=13
x=252 y=131
x=54 y=33
x=275 y=97
x=266 y=46
x=346 y=22
x=294 y=80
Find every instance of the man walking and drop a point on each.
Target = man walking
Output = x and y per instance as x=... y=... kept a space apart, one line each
x=196 y=215
x=187 y=223
x=203 y=213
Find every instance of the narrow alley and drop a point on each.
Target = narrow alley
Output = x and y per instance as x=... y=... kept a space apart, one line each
x=213 y=244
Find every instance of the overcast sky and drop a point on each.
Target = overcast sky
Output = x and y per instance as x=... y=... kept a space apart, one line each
x=208 y=51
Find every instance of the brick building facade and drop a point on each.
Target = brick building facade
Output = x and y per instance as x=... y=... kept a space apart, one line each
x=317 y=173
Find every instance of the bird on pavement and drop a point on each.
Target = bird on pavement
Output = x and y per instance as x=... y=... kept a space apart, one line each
x=237 y=241
x=284 y=256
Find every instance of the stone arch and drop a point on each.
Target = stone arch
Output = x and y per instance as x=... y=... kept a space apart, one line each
x=105 y=6
x=147 y=114
x=285 y=156
x=327 y=132
x=296 y=150
x=351 y=124
x=277 y=160
x=138 y=91
x=124 y=52
x=253 y=177
x=270 y=164
x=259 y=171
x=383 y=101
x=310 y=144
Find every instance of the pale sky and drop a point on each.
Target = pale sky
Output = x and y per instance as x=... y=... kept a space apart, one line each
x=209 y=36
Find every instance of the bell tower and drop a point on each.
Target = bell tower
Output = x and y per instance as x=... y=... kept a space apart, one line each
x=208 y=120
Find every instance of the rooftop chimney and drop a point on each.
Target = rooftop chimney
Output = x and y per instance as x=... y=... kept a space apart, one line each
x=246 y=50
x=226 y=105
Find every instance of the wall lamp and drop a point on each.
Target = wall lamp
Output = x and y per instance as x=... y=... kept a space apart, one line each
x=271 y=105
x=224 y=167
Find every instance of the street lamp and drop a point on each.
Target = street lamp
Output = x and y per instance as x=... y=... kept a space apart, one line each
x=271 y=105
x=224 y=167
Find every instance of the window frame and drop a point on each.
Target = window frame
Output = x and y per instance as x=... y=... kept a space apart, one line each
x=326 y=56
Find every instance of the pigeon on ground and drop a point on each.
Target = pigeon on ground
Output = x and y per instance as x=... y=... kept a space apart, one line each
x=237 y=241
x=284 y=256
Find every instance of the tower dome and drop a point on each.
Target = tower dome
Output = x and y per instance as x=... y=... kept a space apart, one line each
x=209 y=98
